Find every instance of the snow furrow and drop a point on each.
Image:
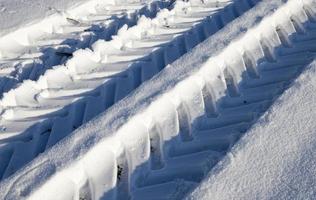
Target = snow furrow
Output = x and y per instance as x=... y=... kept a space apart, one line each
x=27 y=53
x=38 y=114
x=166 y=149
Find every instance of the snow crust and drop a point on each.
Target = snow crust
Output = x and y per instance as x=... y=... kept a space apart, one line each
x=276 y=159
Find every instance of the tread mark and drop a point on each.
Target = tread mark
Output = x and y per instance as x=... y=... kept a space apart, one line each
x=156 y=157
x=283 y=37
x=231 y=85
x=184 y=122
x=250 y=65
x=268 y=51
x=209 y=104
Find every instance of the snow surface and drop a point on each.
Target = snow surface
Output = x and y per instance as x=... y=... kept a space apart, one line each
x=273 y=161
x=276 y=159
x=88 y=136
x=63 y=83
x=24 y=12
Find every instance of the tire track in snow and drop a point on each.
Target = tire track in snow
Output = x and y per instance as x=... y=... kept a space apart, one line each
x=254 y=72
x=136 y=54
x=26 y=54
x=166 y=150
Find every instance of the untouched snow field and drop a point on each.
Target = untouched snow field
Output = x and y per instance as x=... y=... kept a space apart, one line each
x=276 y=159
x=146 y=100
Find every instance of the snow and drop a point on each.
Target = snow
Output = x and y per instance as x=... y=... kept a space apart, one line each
x=84 y=81
x=275 y=159
x=109 y=122
x=28 y=52
x=152 y=141
x=22 y=13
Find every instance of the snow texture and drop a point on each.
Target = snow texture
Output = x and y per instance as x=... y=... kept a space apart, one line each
x=276 y=159
x=22 y=12
x=161 y=141
x=109 y=122
x=94 y=79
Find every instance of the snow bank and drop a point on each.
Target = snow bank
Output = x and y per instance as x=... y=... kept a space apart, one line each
x=276 y=159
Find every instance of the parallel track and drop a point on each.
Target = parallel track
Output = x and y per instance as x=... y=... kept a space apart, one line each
x=38 y=114
x=165 y=151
